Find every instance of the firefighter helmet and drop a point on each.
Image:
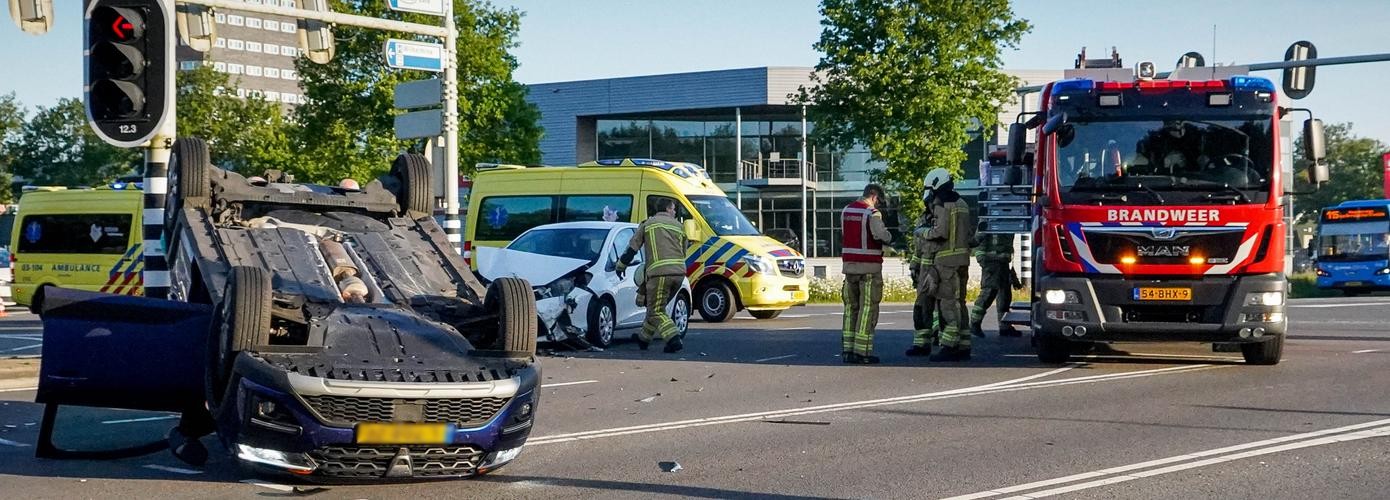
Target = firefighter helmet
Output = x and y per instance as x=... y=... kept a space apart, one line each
x=936 y=178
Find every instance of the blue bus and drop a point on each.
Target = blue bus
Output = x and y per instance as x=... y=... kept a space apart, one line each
x=1353 y=246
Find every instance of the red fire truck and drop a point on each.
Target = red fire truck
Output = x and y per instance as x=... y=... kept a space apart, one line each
x=1158 y=209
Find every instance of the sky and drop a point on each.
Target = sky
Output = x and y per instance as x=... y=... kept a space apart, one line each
x=564 y=40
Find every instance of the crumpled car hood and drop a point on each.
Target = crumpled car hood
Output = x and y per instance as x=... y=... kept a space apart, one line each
x=535 y=268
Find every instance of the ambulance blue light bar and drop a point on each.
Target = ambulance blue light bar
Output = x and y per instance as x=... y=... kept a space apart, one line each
x=1073 y=85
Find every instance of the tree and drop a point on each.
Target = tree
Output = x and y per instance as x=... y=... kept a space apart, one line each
x=346 y=128
x=248 y=135
x=906 y=78
x=11 y=122
x=57 y=147
x=1354 y=165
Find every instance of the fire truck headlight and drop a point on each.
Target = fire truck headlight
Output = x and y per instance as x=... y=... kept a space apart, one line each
x=1057 y=297
x=1265 y=299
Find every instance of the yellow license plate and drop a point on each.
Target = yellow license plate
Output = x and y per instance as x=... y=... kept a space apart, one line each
x=372 y=433
x=1148 y=293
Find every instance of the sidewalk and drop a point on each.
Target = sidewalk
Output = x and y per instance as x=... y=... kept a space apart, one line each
x=18 y=373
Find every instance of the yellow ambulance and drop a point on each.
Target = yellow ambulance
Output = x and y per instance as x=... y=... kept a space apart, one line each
x=88 y=239
x=731 y=265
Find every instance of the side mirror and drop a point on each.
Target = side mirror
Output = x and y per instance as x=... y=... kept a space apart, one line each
x=1018 y=142
x=692 y=231
x=1054 y=122
x=1315 y=151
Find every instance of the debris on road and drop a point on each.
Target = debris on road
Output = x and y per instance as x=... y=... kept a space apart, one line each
x=301 y=490
x=670 y=466
x=649 y=399
x=673 y=379
x=798 y=422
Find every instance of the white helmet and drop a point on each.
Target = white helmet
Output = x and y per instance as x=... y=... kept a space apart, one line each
x=936 y=178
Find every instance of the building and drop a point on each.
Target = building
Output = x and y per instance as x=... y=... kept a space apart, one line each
x=743 y=127
x=256 y=51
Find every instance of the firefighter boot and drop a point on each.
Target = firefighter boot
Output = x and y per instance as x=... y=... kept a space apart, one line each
x=919 y=351
x=951 y=353
x=641 y=344
x=849 y=358
x=674 y=345
x=1007 y=330
x=975 y=329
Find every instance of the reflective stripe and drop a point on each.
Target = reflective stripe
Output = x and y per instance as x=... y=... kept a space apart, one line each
x=858 y=251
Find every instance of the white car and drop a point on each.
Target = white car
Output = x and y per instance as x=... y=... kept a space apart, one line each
x=572 y=266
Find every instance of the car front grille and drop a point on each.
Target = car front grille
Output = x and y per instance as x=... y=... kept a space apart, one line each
x=374 y=461
x=792 y=268
x=348 y=410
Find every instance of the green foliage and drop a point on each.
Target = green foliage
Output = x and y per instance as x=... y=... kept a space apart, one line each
x=248 y=135
x=346 y=129
x=11 y=122
x=1354 y=164
x=906 y=78
x=57 y=147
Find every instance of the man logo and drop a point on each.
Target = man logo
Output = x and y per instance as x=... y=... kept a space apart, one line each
x=1165 y=233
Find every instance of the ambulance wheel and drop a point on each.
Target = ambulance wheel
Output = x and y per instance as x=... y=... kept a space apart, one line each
x=1264 y=353
x=241 y=322
x=1053 y=350
x=716 y=302
x=603 y=320
x=413 y=192
x=514 y=302
x=766 y=314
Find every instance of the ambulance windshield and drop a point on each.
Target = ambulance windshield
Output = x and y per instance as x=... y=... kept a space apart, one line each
x=723 y=216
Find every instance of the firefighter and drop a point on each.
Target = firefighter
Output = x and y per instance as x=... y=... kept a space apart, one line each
x=662 y=243
x=995 y=254
x=954 y=231
x=863 y=237
x=921 y=254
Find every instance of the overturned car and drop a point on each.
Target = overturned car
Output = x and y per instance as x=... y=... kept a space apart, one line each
x=327 y=332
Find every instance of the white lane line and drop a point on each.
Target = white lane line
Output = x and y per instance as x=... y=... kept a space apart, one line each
x=175 y=470
x=1035 y=376
x=263 y=484
x=1324 y=306
x=798 y=328
x=562 y=384
x=775 y=358
x=145 y=419
x=7 y=442
x=19 y=389
x=24 y=348
x=1123 y=471
x=794 y=316
x=997 y=387
x=1364 y=351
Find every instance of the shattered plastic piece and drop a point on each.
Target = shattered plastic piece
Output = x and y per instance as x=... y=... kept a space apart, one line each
x=649 y=399
x=710 y=375
x=670 y=466
x=798 y=422
x=673 y=379
x=309 y=490
x=703 y=354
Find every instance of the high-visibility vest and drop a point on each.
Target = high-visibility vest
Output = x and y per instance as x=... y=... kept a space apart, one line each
x=857 y=241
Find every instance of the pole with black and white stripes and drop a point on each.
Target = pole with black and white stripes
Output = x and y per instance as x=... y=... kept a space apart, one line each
x=155 y=276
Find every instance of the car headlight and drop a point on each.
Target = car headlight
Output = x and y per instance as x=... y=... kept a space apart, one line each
x=1322 y=272
x=760 y=264
x=1264 y=299
x=558 y=288
x=1057 y=297
x=1383 y=272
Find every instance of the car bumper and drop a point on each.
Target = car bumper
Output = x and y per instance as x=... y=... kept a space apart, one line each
x=1106 y=309
x=764 y=291
x=297 y=442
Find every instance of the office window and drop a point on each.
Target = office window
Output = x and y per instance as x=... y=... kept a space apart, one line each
x=272 y=25
x=286 y=50
x=235 y=44
x=271 y=95
x=304 y=99
x=241 y=93
x=236 y=20
x=288 y=74
x=253 y=46
x=287 y=27
x=219 y=67
x=253 y=70
x=220 y=43
x=189 y=65
x=291 y=98
x=253 y=22
x=290 y=3
x=235 y=69
x=219 y=90
x=220 y=18
x=272 y=72
x=271 y=49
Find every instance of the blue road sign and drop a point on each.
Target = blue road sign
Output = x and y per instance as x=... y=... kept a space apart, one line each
x=431 y=7
x=423 y=56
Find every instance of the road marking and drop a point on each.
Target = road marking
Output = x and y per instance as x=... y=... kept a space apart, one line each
x=24 y=348
x=7 y=442
x=798 y=328
x=19 y=389
x=1364 y=351
x=1201 y=357
x=31 y=338
x=993 y=388
x=176 y=470
x=1123 y=473
x=774 y=358
x=1035 y=376
x=145 y=419
x=263 y=484
x=1354 y=304
x=562 y=384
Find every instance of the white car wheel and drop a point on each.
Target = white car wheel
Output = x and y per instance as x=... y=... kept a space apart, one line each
x=602 y=323
x=680 y=313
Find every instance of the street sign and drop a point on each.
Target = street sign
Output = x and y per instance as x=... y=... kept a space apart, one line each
x=423 y=56
x=431 y=7
x=420 y=124
x=419 y=94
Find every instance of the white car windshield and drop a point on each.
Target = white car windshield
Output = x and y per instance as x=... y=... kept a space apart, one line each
x=574 y=243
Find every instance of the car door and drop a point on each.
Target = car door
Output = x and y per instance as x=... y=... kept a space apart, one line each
x=624 y=290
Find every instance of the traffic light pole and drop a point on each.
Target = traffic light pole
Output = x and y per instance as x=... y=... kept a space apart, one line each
x=156 y=188
x=452 y=226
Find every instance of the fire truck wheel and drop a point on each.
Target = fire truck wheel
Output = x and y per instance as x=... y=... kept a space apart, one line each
x=1053 y=350
x=1264 y=353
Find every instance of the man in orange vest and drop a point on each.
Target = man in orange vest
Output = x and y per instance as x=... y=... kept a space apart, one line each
x=863 y=236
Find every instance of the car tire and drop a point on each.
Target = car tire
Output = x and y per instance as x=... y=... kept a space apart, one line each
x=1268 y=352
x=414 y=192
x=241 y=322
x=766 y=314
x=716 y=302
x=188 y=185
x=514 y=302
x=1053 y=350
x=603 y=322
x=680 y=313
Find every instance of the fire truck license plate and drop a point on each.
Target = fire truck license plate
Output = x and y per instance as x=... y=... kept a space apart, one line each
x=373 y=433
x=1148 y=293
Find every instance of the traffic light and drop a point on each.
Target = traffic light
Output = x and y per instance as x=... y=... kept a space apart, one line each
x=129 y=68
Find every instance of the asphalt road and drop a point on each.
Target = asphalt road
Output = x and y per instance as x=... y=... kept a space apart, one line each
x=765 y=409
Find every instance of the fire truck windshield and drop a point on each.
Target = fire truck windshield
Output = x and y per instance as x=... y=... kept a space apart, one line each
x=1164 y=161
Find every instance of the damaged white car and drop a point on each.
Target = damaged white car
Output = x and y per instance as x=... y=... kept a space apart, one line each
x=580 y=298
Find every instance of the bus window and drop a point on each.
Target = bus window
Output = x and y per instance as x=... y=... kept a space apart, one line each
x=610 y=208
x=503 y=218
x=75 y=234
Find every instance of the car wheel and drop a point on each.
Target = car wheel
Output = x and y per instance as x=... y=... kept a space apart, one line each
x=1053 y=350
x=716 y=302
x=680 y=313
x=603 y=320
x=188 y=185
x=241 y=323
x=1268 y=352
x=414 y=193
x=766 y=314
x=514 y=302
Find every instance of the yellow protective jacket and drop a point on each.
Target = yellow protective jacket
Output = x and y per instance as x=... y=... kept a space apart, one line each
x=662 y=242
x=954 y=230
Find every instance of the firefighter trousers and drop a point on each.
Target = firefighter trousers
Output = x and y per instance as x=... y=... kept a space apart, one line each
x=862 y=294
x=925 y=321
x=996 y=287
x=660 y=290
x=950 y=296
